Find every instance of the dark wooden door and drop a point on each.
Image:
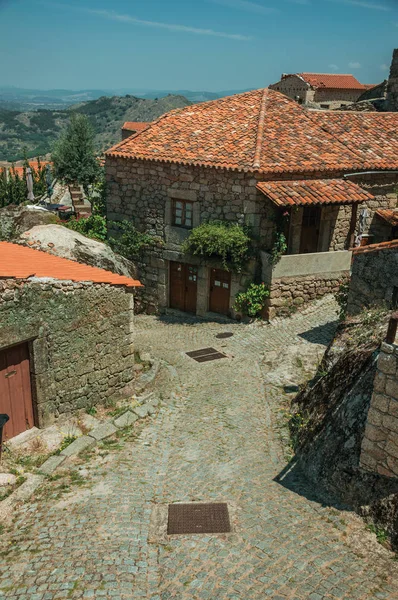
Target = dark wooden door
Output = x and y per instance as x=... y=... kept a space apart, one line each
x=183 y=286
x=15 y=390
x=220 y=291
x=310 y=229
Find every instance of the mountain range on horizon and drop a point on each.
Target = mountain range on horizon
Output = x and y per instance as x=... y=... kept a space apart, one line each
x=14 y=98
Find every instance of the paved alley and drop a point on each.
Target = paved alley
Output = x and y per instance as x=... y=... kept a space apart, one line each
x=214 y=440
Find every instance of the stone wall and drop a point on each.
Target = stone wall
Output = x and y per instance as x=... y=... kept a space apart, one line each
x=293 y=87
x=392 y=88
x=80 y=338
x=335 y=98
x=144 y=191
x=288 y=293
x=374 y=275
x=379 y=451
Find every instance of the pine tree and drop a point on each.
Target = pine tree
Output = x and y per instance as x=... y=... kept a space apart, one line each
x=74 y=156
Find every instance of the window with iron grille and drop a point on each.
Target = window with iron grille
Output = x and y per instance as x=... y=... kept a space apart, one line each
x=182 y=213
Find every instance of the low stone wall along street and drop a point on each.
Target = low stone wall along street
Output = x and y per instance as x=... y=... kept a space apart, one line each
x=296 y=279
x=80 y=341
x=374 y=277
x=379 y=451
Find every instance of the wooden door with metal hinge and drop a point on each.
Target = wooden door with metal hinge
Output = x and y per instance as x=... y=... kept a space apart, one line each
x=183 y=286
x=15 y=390
x=220 y=291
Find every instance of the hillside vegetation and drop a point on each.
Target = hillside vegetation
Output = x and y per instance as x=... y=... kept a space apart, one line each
x=36 y=131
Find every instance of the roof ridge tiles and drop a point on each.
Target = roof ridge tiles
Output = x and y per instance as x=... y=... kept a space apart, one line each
x=375 y=247
x=260 y=130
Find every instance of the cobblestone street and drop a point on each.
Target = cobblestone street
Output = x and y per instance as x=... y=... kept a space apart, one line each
x=215 y=439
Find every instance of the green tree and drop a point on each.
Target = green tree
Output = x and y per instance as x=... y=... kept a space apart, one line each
x=74 y=156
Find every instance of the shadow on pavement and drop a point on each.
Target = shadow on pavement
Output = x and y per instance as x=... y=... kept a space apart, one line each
x=322 y=334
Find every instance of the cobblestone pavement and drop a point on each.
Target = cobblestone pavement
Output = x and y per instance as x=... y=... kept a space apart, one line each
x=213 y=440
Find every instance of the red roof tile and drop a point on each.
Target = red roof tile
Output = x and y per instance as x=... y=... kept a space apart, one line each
x=389 y=215
x=376 y=247
x=260 y=131
x=18 y=170
x=332 y=81
x=372 y=136
x=20 y=262
x=313 y=191
x=135 y=125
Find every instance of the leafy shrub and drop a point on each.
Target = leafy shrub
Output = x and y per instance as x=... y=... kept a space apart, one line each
x=279 y=247
x=252 y=301
x=93 y=227
x=129 y=241
x=229 y=242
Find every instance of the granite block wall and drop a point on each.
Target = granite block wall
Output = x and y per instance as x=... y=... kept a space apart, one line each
x=379 y=451
x=80 y=337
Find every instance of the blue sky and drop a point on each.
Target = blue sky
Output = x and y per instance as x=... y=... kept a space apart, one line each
x=191 y=44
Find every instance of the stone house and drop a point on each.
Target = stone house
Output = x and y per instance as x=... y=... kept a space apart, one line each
x=322 y=90
x=258 y=159
x=65 y=336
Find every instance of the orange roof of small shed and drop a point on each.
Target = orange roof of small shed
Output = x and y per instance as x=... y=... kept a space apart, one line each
x=20 y=262
x=313 y=191
x=135 y=125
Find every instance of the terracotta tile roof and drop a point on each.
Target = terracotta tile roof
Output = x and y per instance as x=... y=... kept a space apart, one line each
x=20 y=262
x=389 y=215
x=313 y=191
x=135 y=125
x=372 y=136
x=376 y=247
x=259 y=131
x=33 y=165
x=332 y=81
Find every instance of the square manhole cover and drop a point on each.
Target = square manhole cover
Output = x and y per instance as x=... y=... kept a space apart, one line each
x=198 y=518
x=206 y=354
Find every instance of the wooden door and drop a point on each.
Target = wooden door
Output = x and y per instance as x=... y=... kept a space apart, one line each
x=15 y=390
x=220 y=291
x=310 y=229
x=183 y=286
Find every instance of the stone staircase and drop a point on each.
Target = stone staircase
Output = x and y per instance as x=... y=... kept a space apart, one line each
x=81 y=207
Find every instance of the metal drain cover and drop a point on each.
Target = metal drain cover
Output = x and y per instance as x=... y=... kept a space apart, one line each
x=224 y=336
x=198 y=518
x=206 y=354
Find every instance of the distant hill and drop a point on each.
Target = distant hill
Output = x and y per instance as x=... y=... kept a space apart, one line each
x=14 y=98
x=37 y=130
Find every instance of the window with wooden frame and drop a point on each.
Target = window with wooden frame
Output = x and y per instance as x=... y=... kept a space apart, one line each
x=182 y=213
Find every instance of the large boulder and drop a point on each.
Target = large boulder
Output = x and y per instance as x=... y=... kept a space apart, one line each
x=16 y=219
x=67 y=243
